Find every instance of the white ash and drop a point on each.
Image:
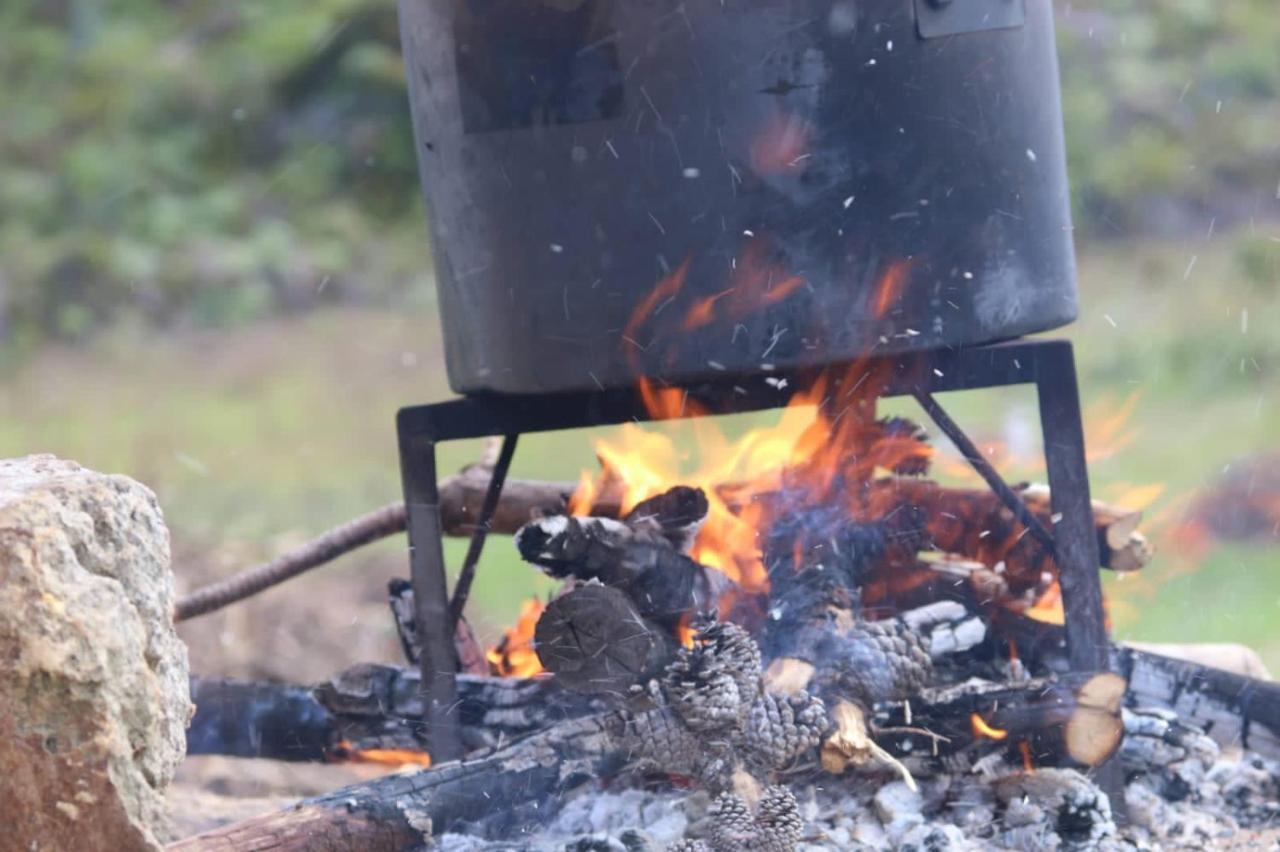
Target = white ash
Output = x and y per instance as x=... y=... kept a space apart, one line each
x=1182 y=794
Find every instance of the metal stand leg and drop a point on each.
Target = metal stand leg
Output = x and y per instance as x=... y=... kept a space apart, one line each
x=1077 y=541
x=1077 y=544
x=431 y=596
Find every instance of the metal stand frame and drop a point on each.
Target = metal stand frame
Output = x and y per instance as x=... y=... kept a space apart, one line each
x=1049 y=365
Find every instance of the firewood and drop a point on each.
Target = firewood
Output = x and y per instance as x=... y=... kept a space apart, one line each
x=969 y=512
x=662 y=582
x=403 y=811
x=1235 y=710
x=677 y=514
x=976 y=524
x=367 y=707
x=708 y=719
x=1074 y=716
x=594 y=641
x=462 y=494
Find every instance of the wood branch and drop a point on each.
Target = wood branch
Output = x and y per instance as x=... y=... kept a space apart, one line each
x=462 y=494
x=595 y=642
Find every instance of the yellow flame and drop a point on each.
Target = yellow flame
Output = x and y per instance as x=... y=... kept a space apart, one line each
x=982 y=730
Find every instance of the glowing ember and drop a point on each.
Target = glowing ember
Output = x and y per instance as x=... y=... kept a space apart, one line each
x=384 y=756
x=982 y=730
x=514 y=655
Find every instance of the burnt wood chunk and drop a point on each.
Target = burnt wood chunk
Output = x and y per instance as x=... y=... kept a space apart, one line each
x=1074 y=718
x=662 y=582
x=677 y=514
x=595 y=642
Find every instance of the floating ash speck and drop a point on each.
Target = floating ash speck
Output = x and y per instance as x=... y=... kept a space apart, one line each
x=692 y=173
x=1031 y=155
x=556 y=248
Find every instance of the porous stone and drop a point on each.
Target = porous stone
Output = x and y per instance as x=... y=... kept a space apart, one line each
x=93 y=691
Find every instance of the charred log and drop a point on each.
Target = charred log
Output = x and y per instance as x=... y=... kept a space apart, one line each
x=368 y=707
x=661 y=581
x=1075 y=717
x=708 y=719
x=404 y=811
x=596 y=642
x=1235 y=710
x=677 y=514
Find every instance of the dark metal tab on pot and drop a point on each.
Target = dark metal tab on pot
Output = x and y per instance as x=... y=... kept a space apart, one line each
x=936 y=18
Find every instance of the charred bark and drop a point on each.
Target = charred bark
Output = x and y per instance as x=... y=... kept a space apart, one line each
x=398 y=812
x=661 y=582
x=365 y=708
x=1235 y=710
x=595 y=641
x=1075 y=717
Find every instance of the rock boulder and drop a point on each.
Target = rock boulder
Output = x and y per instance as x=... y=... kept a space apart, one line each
x=93 y=680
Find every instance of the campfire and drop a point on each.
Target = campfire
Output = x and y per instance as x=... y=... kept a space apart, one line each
x=792 y=636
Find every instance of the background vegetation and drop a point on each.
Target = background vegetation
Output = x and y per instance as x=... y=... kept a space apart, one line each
x=214 y=277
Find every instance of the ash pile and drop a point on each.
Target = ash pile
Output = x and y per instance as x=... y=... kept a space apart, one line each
x=884 y=667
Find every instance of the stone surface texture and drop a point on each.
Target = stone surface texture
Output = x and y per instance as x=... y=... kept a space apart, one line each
x=93 y=679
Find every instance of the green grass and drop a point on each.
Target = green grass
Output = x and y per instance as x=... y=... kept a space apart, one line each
x=258 y=437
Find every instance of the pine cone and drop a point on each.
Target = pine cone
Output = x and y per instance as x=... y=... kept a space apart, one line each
x=783 y=727
x=775 y=827
x=778 y=818
x=882 y=661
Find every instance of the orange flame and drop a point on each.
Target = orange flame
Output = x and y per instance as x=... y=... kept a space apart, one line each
x=981 y=730
x=345 y=751
x=1048 y=607
x=514 y=655
x=1028 y=765
x=821 y=440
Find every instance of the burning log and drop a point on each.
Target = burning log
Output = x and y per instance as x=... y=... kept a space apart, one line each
x=1235 y=710
x=976 y=524
x=661 y=581
x=963 y=516
x=1074 y=716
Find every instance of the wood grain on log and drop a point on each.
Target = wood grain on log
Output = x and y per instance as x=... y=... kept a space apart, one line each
x=595 y=641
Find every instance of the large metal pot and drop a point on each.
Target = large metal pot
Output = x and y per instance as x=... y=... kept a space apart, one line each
x=619 y=188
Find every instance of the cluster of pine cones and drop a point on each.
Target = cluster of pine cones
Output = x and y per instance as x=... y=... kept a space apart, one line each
x=774 y=827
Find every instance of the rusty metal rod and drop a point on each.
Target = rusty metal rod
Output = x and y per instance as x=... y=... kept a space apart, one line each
x=462 y=589
x=979 y=463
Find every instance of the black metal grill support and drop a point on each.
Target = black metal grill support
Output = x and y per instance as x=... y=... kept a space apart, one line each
x=1048 y=364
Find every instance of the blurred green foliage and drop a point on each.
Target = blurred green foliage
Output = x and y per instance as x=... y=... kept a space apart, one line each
x=199 y=163
x=206 y=164
x=1172 y=112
